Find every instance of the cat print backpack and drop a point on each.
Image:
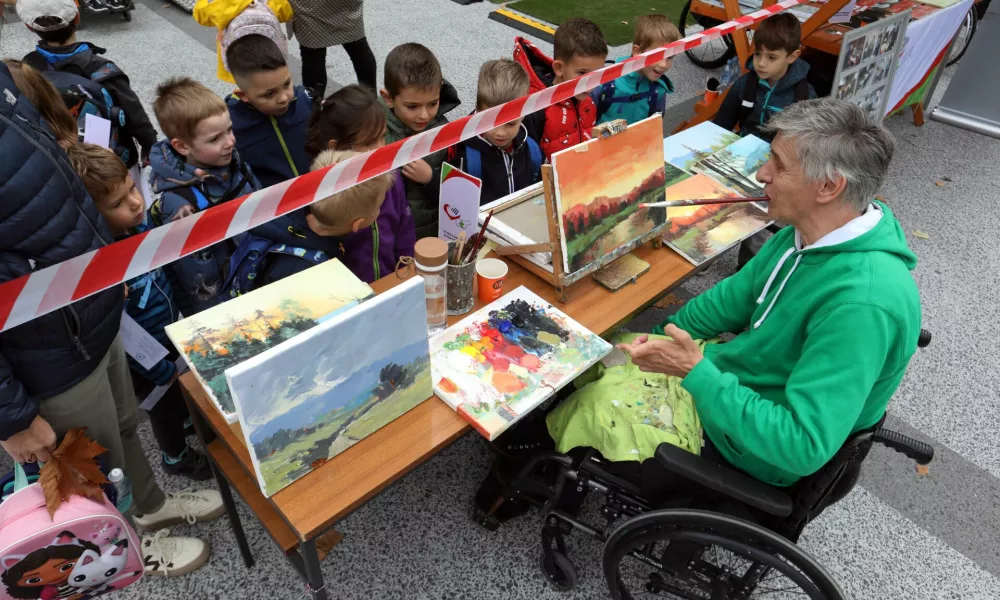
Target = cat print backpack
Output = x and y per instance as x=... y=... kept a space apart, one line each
x=87 y=549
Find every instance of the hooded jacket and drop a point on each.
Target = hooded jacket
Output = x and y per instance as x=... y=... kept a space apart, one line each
x=423 y=198
x=503 y=172
x=198 y=278
x=632 y=97
x=87 y=60
x=372 y=253
x=274 y=147
x=768 y=100
x=293 y=231
x=829 y=330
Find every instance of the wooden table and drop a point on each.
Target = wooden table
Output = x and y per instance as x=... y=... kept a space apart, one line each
x=295 y=516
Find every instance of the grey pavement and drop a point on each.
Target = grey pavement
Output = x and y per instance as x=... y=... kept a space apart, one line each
x=898 y=535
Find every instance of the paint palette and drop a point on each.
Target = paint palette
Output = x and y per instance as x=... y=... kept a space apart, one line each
x=506 y=359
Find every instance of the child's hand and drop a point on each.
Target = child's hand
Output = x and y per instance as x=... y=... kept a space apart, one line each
x=418 y=171
x=184 y=211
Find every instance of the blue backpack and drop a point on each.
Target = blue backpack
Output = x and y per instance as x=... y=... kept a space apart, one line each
x=84 y=97
x=250 y=259
x=474 y=160
x=604 y=97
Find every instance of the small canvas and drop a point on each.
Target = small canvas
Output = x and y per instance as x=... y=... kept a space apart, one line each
x=226 y=335
x=688 y=147
x=501 y=362
x=700 y=232
x=308 y=399
x=736 y=165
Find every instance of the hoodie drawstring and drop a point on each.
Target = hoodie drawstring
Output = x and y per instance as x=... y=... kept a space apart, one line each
x=770 y=280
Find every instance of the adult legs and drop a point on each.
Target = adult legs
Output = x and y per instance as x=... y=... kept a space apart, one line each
x=363 y=59
x=314 y=70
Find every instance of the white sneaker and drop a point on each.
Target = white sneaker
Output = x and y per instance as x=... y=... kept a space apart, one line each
x=186 y=506
x=166 y=556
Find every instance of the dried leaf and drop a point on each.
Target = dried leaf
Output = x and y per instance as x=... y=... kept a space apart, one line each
x=939 y=183
x=880 y=198
x=923 y=470
x=920 y=234
x=669 y=301
x=73 y=469
x=50 y=480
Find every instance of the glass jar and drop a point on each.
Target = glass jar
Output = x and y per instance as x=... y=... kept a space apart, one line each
x=431 y=260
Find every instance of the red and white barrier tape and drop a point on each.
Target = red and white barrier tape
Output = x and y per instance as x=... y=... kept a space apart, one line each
x=54 y=287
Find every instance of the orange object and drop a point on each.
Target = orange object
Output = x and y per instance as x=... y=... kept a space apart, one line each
x=710 y=96
x=490 y=273
x=506 y=382
x=448 y=385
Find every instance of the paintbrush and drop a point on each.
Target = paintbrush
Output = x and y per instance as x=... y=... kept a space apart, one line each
x=459 y=248
x=700 y=202
x=480 y=238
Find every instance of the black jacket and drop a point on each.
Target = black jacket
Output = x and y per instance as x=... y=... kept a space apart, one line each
x=503 y=173
x=46 y=217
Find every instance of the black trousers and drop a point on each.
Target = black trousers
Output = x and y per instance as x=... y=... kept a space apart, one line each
x=314 y=76
x=167 y=417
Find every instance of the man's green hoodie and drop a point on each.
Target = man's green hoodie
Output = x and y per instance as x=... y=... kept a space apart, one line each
x=423 y=198
x=829 y=330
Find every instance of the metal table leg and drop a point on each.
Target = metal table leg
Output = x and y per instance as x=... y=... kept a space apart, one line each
x=314 y=576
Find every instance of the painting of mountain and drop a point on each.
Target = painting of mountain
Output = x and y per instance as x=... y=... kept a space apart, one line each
x=690 y=146
x=310 y=398
x=235 y=331
x=598 y=187
x=736 y=165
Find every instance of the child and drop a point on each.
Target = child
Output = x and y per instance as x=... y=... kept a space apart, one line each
x=149 y=302
x=55 y=23
x=350 y=119
x=415 y=98
x=196 y=167
x=579 y=48
x=642 y=94
x=776 y=78
x=303 y=238
x=506 y=158
x=269 y=114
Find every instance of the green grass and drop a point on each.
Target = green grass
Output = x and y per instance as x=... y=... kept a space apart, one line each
x=608 y=14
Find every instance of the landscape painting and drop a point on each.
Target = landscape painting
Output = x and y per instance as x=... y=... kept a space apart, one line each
x=690 y=146
x=736 y=165
x=504 y=360
x=307 y=400
x=700 y=232
x=598 y=187
x=232 y=332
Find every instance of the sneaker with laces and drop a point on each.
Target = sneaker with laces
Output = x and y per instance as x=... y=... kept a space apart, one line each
x=187 y=506
x=191 y=464
x=166 y=556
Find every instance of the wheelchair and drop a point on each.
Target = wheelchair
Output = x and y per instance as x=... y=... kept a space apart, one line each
x=723 y=535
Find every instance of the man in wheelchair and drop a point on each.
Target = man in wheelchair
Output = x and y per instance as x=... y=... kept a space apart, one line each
x=826 y=317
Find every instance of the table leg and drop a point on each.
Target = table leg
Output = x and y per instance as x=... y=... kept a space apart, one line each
x=314 y=576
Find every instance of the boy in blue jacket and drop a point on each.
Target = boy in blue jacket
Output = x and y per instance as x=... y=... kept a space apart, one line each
x=149 y=302
x=270 y=116
x=776 y=78
x=195 y=168
x=641 y=94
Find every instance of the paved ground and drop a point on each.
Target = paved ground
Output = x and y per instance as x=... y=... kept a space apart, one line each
x=895 y=536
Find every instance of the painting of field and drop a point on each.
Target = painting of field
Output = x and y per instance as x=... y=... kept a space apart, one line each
x=235 y=331
x=598 y=188
x=307 y=400
x=736 y=165
x=700 y=232
x=690 y=146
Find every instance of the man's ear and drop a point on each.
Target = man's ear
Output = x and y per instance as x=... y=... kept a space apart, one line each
x=794 y=56
x=386 y=97
x=831 y=189
x=180 y=146
x=558 y=67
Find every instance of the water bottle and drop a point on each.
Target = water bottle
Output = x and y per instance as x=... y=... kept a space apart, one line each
x=730 y=73
x=124 y=488
x=431 y=258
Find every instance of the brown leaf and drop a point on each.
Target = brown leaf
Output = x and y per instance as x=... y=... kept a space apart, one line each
x=49 y=478
x=669 y=301
x=920 y=234
x=72 y=470
x=923 y=470
x=939 y=183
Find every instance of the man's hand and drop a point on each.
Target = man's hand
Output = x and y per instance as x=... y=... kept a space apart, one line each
x=675 y=357
x=418 y=171
x=33 y=444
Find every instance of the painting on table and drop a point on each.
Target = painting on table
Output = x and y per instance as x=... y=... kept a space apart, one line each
x=736 y=165
x=700 y=232
x=234 y=331
x=598 y=187
x=688 y=147
x=499 y=363
x=308 y=399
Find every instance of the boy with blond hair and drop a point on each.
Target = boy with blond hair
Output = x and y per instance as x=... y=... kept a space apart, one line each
x=641 y=94
x=317 y=233
x=195 y=168
x=506 y=158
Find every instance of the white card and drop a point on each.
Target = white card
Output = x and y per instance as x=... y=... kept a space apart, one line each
x=156 y=393
x=458 y=207
x=139 y=344
x=97 y=130
x=844 y=14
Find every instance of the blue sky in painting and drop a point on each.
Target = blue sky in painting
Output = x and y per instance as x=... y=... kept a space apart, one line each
x=677 y=149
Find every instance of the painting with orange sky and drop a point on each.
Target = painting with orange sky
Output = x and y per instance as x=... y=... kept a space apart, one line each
x=700 y=232
x=598 y=187
x=234 y=331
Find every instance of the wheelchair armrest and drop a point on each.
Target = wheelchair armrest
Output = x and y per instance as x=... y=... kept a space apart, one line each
x=725 y=480
x=915 y=449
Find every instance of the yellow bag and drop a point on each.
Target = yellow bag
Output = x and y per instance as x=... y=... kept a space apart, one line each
x=218 y=14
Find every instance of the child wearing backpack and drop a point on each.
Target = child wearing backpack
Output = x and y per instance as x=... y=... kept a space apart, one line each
x=88 y=82
x=506 y=158
x=641 y=94
x=195 y=168
x=776 y=78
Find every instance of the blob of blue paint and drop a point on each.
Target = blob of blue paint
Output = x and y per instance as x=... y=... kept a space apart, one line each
x=504 y=326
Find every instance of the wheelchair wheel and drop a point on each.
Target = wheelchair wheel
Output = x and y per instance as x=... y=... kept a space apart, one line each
x=709 y=55
x=700 y=555
x=559 y=570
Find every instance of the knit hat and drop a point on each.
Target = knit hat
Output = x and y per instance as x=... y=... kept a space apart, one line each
x=63 y=11
x=256 y=19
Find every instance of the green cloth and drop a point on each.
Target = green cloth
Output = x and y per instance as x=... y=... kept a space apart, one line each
x=423 y=198
x=625 y=413
x=827 y=332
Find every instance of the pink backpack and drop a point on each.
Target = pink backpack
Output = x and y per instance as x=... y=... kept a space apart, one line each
x=86 y=550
